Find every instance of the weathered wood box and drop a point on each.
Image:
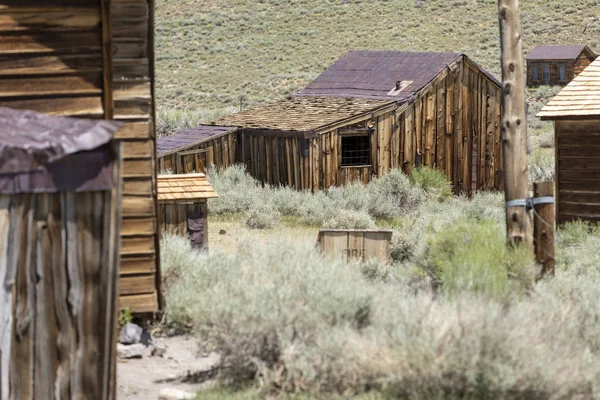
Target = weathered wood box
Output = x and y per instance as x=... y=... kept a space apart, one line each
x=182 y=207
x=356 y=244
x=60 y=202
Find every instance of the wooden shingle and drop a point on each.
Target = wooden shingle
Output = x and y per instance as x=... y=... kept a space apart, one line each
x=581 y=97
x=188 y=187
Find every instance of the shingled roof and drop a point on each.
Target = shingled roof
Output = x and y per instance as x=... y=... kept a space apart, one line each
x=302 y=114
x=578 y=98
x=569 y=52
x=184 y=187
x=374 y=74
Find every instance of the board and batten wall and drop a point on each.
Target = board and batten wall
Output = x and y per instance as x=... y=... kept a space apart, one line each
x=94 y=59
x=577 y=178
x=220 y=152
x=59 y=272
x=453 y=124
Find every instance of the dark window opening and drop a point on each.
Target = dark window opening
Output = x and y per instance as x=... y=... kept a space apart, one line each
x=355 y=150
x=561 y=72
x=534 y=72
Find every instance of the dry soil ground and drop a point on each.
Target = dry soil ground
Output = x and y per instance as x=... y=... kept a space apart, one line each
x=142 y=379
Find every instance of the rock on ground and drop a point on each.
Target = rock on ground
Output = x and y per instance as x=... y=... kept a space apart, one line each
x=130 y=334
x=130 y=351
x=175 y=394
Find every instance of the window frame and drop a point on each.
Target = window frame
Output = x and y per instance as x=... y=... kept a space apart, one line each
x=563 y=67
x=548 y=67
x=355 y=133
x=535 y=72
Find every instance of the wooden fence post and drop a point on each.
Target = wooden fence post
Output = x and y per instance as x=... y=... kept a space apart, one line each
x=514 y=125
x=543 y=225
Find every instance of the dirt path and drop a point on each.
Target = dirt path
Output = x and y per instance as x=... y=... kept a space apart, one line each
x=139 y=379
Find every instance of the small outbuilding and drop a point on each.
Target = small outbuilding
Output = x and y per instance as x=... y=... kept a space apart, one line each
x=182 y=203
x=576 y=115
x=557 y=65
x=369 y=112
x=60 y=209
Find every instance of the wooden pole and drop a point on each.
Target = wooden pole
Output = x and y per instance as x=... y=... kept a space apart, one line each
x=543 y=226
x=514 y=124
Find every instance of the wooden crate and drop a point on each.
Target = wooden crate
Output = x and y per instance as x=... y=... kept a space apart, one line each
x=356 y=244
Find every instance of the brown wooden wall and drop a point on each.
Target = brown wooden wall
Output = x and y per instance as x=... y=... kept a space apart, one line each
x=581 y=63
x=58 y=300
x=172 y=217
x=453 y=125
x=572 y=69
x=577 y=170
x=220 y=152
x=82 y=58
x=554 y=74
x=275 y=160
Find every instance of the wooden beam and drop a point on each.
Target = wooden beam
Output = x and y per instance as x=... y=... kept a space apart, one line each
x=543 y=226
x=514 y=124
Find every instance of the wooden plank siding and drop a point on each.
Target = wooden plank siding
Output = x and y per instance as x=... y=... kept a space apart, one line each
x=452 y=124
x=94 y=59
x=133 y=93
x=577 y=170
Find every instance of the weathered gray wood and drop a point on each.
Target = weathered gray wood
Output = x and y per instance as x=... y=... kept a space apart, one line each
x=514 y=123
x=5 y=299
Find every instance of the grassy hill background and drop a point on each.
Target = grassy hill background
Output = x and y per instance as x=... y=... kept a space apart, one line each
x=211 y=53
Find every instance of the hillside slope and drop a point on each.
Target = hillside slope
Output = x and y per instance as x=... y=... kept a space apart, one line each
x=210 y=53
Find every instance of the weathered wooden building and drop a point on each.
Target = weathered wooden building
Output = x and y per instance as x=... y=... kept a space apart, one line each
x=182 y=206
x=370 y=112
x=195 y=149
x=576 y=115
x=557 y=65
x=94 y=59
x=60 y=188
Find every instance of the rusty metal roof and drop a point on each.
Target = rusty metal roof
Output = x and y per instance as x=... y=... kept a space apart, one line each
x=29 y=139
x=373 y=74
x=191 y=137
x=173 y=188
x=40 y=153
x=579 y=98
x=569 y=52
x=302 y=114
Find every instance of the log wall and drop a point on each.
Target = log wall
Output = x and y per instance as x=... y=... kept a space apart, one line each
x=59 y=268
x=577 y=170
x=94 y=59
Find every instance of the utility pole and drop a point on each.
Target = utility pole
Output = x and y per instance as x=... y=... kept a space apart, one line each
x=514 y=125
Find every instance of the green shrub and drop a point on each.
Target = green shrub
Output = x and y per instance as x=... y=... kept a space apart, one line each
x=347 y=219
x=432 y=180
x=289 y=321
x=473 y=256
x=392 y=195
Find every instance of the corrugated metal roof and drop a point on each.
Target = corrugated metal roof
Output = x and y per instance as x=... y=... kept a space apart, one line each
x=40 y=153
x=579 y=98
x=569 y=52
x=302 y=114
x=373 y=74
x=184 y=187
x=181 y=140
